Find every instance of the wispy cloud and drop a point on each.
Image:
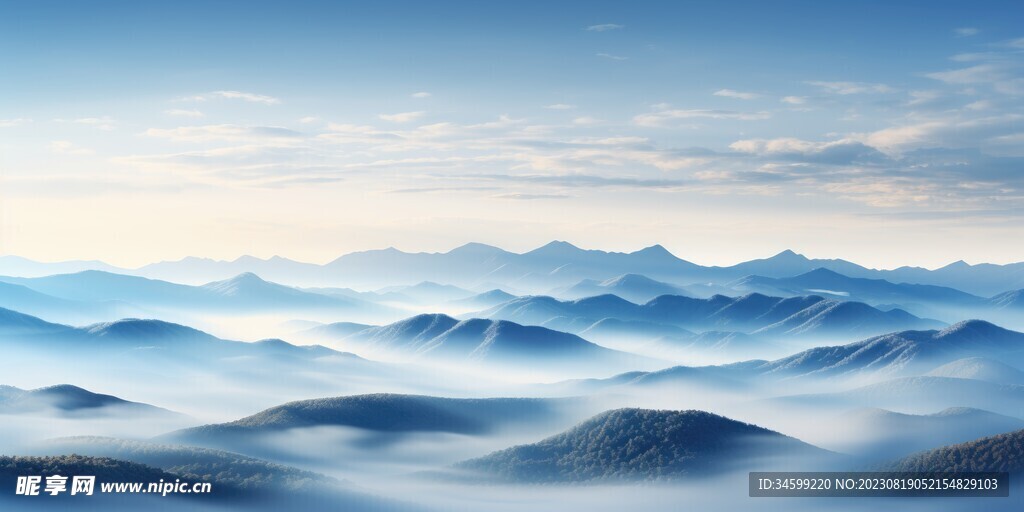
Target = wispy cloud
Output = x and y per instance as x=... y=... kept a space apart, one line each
x=531 y=197
x=176 y=112
x=10 y=123
x=421 y=94
x=65 y=147
x=794 y=100
x=235 y=95
x=845 y=88
x=981 y=73
x=730 y=93
x=661 y=118
x=105 y=123
x=611 y=57
x=582 y=180
x=965 y=31
x=918 y=98
x=604 y=27
x=224 y=132
x=402 y=117
x=587 y=121
x=560 y=106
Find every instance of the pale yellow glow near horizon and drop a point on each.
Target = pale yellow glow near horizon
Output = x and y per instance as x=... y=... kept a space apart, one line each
x=319 y=223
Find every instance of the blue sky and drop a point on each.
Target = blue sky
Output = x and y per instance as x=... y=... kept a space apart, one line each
x=140 y=131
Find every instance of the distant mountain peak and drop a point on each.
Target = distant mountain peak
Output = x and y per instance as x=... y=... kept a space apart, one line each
x=475 y=248
x=233 y=285
x=556 y=247
x=958 y=264
x=428 y=316
x=247 y=276
x=656 y=250
x=789 y=254
x=629 y=279
x=822 y=271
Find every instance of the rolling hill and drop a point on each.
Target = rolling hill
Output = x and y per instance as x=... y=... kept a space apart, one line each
x=483 y=300
x=386 y=414
x=980 y=368
x=904 y=353
x=26 y=300
x=1003 y=452
x=638 y=444
x=238 y=481
x=1011 y=300
x=66 y=399
x=481 y=340
x=144 y=338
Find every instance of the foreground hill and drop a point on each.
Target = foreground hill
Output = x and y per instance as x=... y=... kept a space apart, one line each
x=105 y=469
x=639 y=444
x=1003 y=452
x=237 y=480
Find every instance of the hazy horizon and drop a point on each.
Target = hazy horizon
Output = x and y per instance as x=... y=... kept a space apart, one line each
x=526 y=249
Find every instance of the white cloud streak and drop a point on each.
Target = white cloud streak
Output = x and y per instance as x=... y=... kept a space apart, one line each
x=235 y=95
x=402 y=117
x=730 y=93
x=604 y=27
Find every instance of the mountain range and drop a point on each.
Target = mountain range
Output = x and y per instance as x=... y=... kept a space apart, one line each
x=132 y=335
x=555 y=264
x=245 y=292
x=903 y=357
x=794 y=317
